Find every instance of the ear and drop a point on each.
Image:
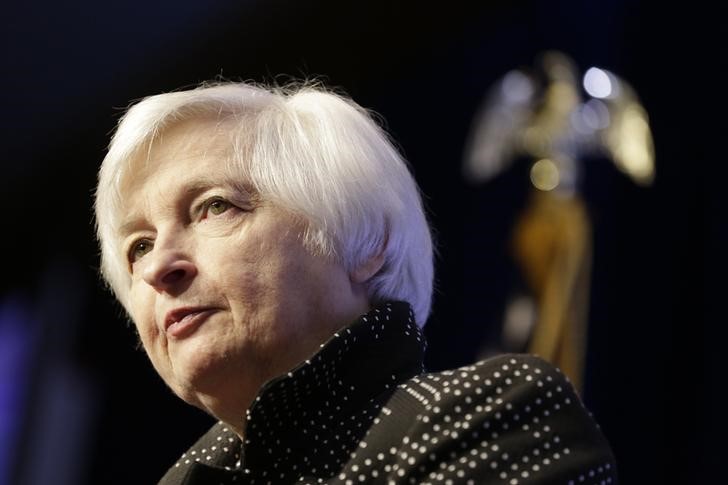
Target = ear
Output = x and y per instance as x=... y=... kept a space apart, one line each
x=370 y=267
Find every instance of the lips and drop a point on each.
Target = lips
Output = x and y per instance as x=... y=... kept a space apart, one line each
x=182 y=322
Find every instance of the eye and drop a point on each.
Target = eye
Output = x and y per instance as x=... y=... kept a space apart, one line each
x=215 y=206
x=138 y=249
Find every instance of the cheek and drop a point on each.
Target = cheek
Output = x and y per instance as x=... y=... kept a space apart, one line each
x=246 y=270
x=261 y=289
x=141 y=310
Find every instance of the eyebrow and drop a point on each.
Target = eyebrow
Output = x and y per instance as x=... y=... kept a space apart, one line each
x=193 y=188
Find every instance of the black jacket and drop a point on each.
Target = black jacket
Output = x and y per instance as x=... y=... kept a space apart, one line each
x=362 y=410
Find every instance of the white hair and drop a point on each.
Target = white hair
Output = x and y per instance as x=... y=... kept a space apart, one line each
x=314 y=152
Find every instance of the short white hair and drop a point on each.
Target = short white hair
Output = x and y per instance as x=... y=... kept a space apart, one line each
x=310 y=150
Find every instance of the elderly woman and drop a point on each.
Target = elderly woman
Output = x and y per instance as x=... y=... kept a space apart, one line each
x=271 y=248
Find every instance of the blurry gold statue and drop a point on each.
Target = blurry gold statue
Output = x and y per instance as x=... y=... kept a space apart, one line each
x=542 y=116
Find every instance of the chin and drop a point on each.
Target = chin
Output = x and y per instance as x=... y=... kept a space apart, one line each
x=209 y=382
x=221 y=401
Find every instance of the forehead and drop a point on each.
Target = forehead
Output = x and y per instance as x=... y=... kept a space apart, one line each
x=186 y=157
x=192 y=145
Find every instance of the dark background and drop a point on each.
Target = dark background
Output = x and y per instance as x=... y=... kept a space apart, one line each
x=80 y=404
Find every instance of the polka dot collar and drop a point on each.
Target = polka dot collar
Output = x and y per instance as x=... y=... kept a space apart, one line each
x=317 y=407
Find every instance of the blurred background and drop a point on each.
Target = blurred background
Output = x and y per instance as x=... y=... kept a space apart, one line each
x=80 y=404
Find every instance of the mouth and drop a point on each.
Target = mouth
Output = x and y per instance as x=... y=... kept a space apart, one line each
x=182 y=322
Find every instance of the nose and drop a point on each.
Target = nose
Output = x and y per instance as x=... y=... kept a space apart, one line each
x=168 y=270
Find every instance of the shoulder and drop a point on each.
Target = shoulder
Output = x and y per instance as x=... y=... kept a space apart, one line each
x=505 y=392
x=499 y=380
x=219 y=447
x=511 y=417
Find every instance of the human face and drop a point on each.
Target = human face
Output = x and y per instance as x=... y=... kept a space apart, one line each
x=223 y=292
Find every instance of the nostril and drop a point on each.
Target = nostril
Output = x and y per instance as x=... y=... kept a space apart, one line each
x=169 y=270
x=173 y=276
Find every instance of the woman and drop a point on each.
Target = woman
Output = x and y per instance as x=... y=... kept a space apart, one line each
x=271 y=248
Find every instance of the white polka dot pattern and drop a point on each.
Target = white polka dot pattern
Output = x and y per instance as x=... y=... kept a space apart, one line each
x=362 y=411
